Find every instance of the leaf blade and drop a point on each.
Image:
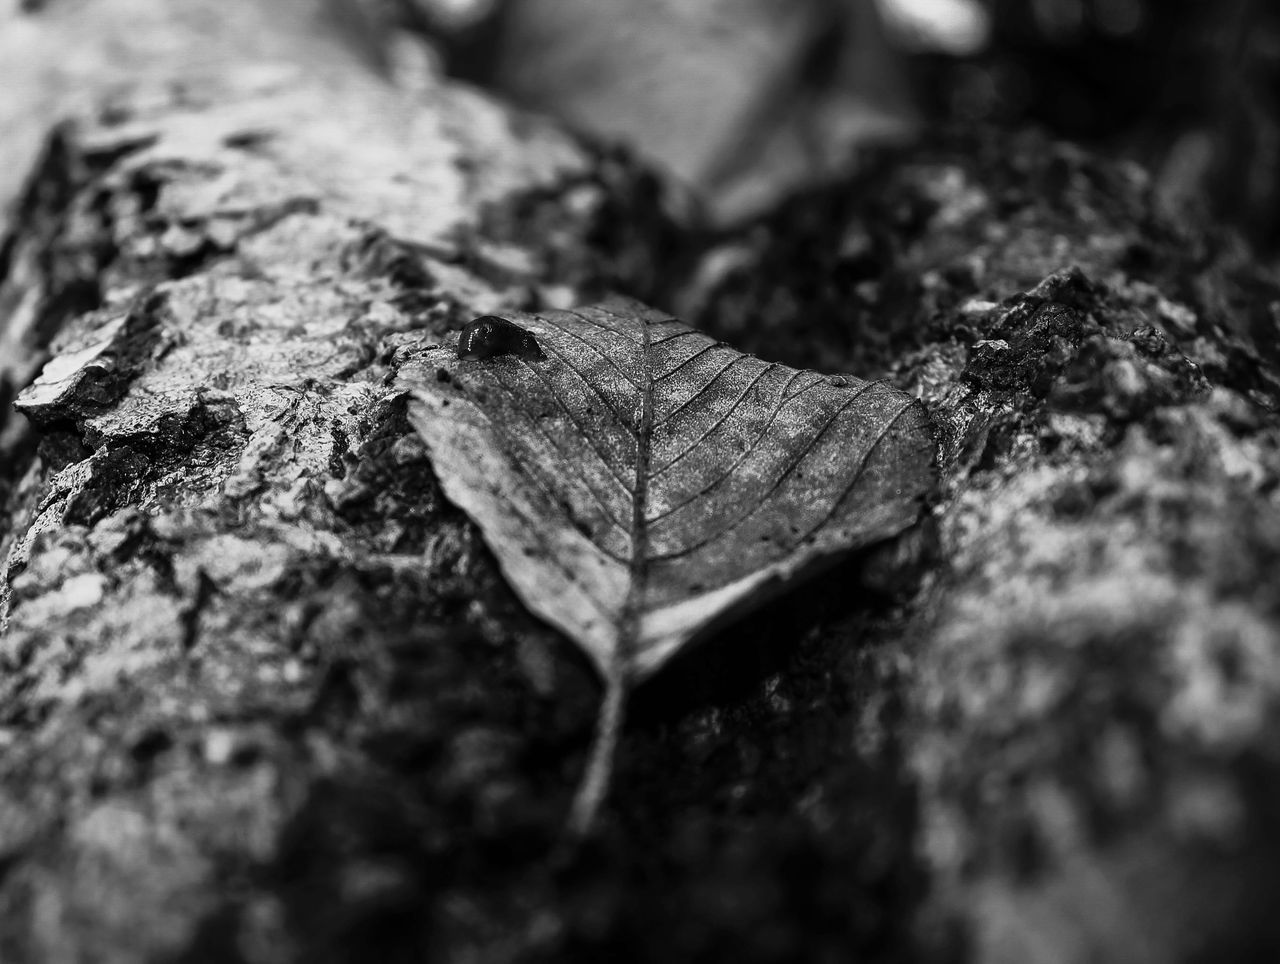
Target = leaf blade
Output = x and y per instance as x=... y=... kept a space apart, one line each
x=744 y=474
x=582 y=576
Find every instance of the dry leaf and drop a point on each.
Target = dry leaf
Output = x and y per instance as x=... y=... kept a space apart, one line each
x=643 y=484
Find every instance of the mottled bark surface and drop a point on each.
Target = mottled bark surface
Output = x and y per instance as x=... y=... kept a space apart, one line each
x=265 y=696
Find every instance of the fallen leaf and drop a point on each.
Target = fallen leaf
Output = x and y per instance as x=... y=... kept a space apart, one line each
x=644 y=484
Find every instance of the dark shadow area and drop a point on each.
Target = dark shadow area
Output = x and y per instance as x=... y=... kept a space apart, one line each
x=1187 y=89
x=755 y=815
x=732 y=665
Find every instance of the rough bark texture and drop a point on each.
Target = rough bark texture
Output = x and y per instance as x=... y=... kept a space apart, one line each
x=266 y=698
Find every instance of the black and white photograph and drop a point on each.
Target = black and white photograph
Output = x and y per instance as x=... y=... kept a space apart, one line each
x=639 y=481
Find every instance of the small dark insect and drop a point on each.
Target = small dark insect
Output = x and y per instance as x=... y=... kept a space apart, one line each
x=490 y=335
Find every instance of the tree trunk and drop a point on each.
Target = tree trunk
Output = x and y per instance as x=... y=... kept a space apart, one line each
x=265 y=696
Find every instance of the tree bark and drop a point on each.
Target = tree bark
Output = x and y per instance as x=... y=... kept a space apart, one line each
x=266 y=698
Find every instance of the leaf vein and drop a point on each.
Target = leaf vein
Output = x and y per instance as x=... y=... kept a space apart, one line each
x=585 y=434
x=599 y=351
x=691 y=359
x=751 y=448
x=764 y=498
x=538 y=526
x=564 y=455
x=623 y=332
x=817 y=379
x=723 y=418
x=862 y=465
x=698 y=394
x=679 y=334
x=585 y=381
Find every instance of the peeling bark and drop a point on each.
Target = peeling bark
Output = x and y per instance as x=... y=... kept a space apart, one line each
x=265 y=696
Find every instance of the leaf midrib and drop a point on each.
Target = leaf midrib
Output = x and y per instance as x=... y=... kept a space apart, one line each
x=639 y=568
x=596 y=775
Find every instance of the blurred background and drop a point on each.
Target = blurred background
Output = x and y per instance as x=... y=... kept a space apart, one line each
x=746 y=101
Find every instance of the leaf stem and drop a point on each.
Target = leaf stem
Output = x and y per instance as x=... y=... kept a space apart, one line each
x=594 y=786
